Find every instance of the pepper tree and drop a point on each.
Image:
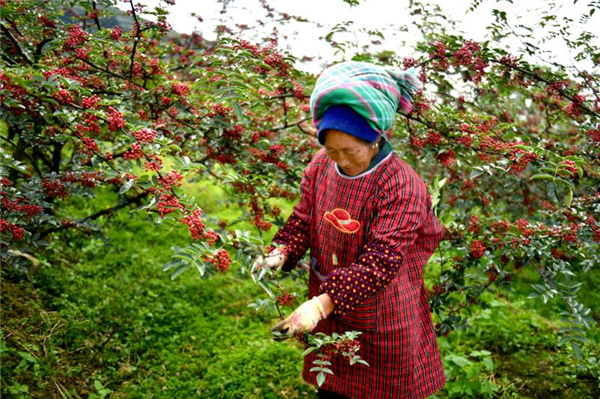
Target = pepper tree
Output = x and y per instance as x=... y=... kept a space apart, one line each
x=94 y=101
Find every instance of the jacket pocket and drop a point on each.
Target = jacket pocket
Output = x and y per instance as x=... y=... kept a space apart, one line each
x=363 y=317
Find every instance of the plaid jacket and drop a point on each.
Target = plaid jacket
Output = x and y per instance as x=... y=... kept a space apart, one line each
x=370 y=237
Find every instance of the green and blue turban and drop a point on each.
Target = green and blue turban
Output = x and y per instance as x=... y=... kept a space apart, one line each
x=372 y=91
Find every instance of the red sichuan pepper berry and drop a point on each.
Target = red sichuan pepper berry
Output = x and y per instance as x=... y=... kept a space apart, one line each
x=477 y=249
x=55 y=188
x=144 y=135
x=286 y=299
x=63 y=97
x=211 y=237
x=90 y=102
x=17 y=232
x=168 y=203
x=115 y=119
x=116 y=33
x=221 y=260
x=196 y=224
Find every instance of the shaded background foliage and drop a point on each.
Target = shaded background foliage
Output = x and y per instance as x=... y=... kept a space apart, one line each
x=207 y=140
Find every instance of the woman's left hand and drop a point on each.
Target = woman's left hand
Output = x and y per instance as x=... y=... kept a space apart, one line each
x=304 y=319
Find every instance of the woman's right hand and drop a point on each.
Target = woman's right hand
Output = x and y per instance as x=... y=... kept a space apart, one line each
x=304 y=319
x=272 y=261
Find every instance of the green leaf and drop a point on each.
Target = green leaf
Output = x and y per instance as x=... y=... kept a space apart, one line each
x=309 y=350
x=569 y=198
x=125 y=187
x=179 y=271
x=542 y=176
x=266 y=288
x=170 y=265
x=565 y=182
x=183 y=257
x=576 y=350
x=238 y=110
x=175 y=148
x=488 y=363
x=475 y=174
x=321 y=378
x=201 y=268
x=459 y=360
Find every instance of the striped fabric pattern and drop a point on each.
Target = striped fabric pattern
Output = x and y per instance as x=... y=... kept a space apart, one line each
x=377 y=284
x=371 y=90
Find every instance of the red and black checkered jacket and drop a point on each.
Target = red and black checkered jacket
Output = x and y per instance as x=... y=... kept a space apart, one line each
x=370 y=237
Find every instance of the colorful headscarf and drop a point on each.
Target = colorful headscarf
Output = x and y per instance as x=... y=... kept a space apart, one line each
x=371 y=90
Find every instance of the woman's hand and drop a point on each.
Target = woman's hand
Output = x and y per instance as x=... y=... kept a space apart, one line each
x=306 y=317
x=272 y=261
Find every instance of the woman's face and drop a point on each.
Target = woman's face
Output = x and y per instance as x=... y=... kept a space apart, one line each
x=351 y=154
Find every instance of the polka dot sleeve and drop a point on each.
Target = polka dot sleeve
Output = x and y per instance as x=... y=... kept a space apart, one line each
x=349 y=287
x=293 y=235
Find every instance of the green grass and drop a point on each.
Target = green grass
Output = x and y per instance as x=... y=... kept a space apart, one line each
x=99 y=318
x=105 y=312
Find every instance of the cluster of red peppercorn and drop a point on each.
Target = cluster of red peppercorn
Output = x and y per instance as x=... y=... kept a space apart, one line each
x=16 y=231
x=115 y=119
x=286 y=299
x=520 y=160
x=268 y=55
x=259 y=212
x=220 y=260
x=55 y=188
x=168 y=203
x=477 y=248
x=75 y=37
x=435 y=291
x=196 y=224
x=63 y=97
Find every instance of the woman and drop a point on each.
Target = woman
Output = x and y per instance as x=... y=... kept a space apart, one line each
x=367 y=218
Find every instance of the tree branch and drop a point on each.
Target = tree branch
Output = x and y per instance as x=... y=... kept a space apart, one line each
x=546 y=81
x=287 y=126
x=94 y=216
x=135 y=40
x=17 y=150
x=96 y=20
x=16 y=43
x=40 y=47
